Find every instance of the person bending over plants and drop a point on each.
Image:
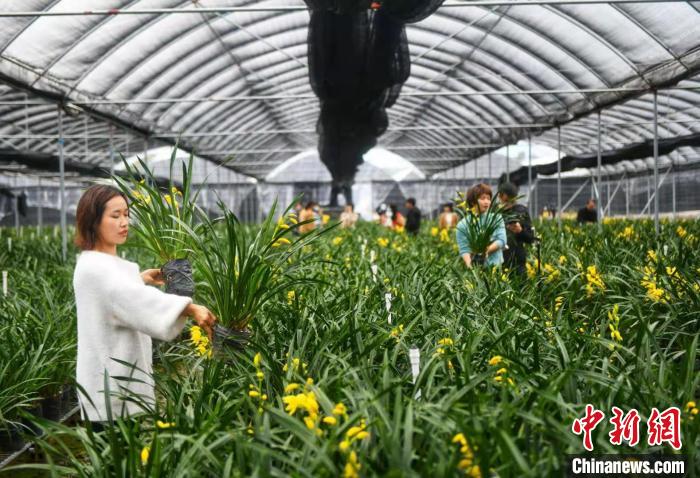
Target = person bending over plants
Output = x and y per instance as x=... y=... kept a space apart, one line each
x=118 y=313
x=481 y=234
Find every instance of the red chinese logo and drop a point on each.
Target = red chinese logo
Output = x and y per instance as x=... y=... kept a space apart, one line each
x=587 y=424
x=626 y=427
x=665 y=427
x=662 y=427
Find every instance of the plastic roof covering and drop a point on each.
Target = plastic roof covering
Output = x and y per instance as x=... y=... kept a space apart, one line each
x=466 y=48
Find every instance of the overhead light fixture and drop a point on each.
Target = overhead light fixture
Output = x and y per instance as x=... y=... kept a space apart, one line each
x=72 y=109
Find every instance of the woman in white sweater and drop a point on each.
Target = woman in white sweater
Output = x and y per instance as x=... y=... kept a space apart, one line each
x=118 y=311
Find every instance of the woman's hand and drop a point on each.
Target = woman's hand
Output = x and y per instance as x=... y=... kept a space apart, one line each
x=202 y=316
x=152 y=277
x=467 y=259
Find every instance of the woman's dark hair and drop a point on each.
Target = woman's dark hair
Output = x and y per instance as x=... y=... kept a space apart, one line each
x=88 y=217
x=476 y=191
x=449 y=206
x=309 y=205
x=393 y=208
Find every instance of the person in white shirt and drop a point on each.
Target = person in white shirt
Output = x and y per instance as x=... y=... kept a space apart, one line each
x=348 y=218
x=118 y=312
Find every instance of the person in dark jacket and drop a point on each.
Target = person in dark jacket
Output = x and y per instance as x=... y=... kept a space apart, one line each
x=518 y=228
x=588 y=213
x=412 y=216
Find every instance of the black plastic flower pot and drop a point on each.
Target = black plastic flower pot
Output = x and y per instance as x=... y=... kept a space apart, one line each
x=29 y=426
x=226 y=338
x=69 y=398
x=178 y=277
x=478 y=260
x=52 y=407
x=11 y=438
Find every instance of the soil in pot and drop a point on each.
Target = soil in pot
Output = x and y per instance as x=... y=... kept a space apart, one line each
x=178 y=277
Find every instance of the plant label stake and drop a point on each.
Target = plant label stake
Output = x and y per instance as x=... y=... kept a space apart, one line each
x=372 y=256
x=414 y=355
x=387 y=303
x=9 y=244
x=4 y=283
x=374 y=272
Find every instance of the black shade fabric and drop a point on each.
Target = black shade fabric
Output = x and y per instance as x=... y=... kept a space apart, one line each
x=640 y=150
x=358 y=61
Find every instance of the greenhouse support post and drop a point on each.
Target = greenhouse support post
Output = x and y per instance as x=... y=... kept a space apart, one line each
x=673 y=187
x=627 y=197
x=529 y=175
x=39 y=211
x=656 y=163
x=111 y=150
x=490 y=166
x=62 y=187
x=15 y=209
x=559 y=176
x=508 y=162
x=598 y=179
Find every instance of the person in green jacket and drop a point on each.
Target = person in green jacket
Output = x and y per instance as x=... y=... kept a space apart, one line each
x=479 y=197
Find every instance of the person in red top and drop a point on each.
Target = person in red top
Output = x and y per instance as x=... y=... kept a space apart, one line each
x=397 y=219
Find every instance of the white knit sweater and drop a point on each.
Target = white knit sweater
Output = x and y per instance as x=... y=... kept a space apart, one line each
x=117 y=316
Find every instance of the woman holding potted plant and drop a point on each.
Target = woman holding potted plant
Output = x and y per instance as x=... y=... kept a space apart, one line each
x=117 y=311
x=481 y=234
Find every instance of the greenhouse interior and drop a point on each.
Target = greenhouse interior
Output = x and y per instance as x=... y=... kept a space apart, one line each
x=349 y=238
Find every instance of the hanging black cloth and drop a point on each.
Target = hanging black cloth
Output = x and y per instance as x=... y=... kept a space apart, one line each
x=358 y=61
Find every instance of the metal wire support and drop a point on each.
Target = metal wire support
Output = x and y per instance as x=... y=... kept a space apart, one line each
x=62 y=178
x=559 y=176
x=656 y=164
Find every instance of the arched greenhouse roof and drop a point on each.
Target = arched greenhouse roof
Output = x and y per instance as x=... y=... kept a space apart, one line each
x=230 y=78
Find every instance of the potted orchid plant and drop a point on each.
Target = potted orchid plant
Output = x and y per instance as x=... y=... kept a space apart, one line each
x=479 y=226
x=241 y=268
x=160 y=214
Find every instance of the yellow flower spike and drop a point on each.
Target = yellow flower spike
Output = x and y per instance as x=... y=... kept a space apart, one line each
x=253 y=394
x=460 y=438
x=330 y=421
x=498 y=378
x=145 y=453
x=340 y=410
x=383 y=242
x=257 y=359
x=501 y=371
x=434 y=231
x=164 y=425
x=495 y=360
x=446 y=342
x=689 y=405
x=353 y=431
x=362 y=435
x=309 y=381
x=260 y=375
x=291 y=295
x=562 y=260
x=310 y=423
x=291 y=387
x=337 y=240
x=344 y=445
